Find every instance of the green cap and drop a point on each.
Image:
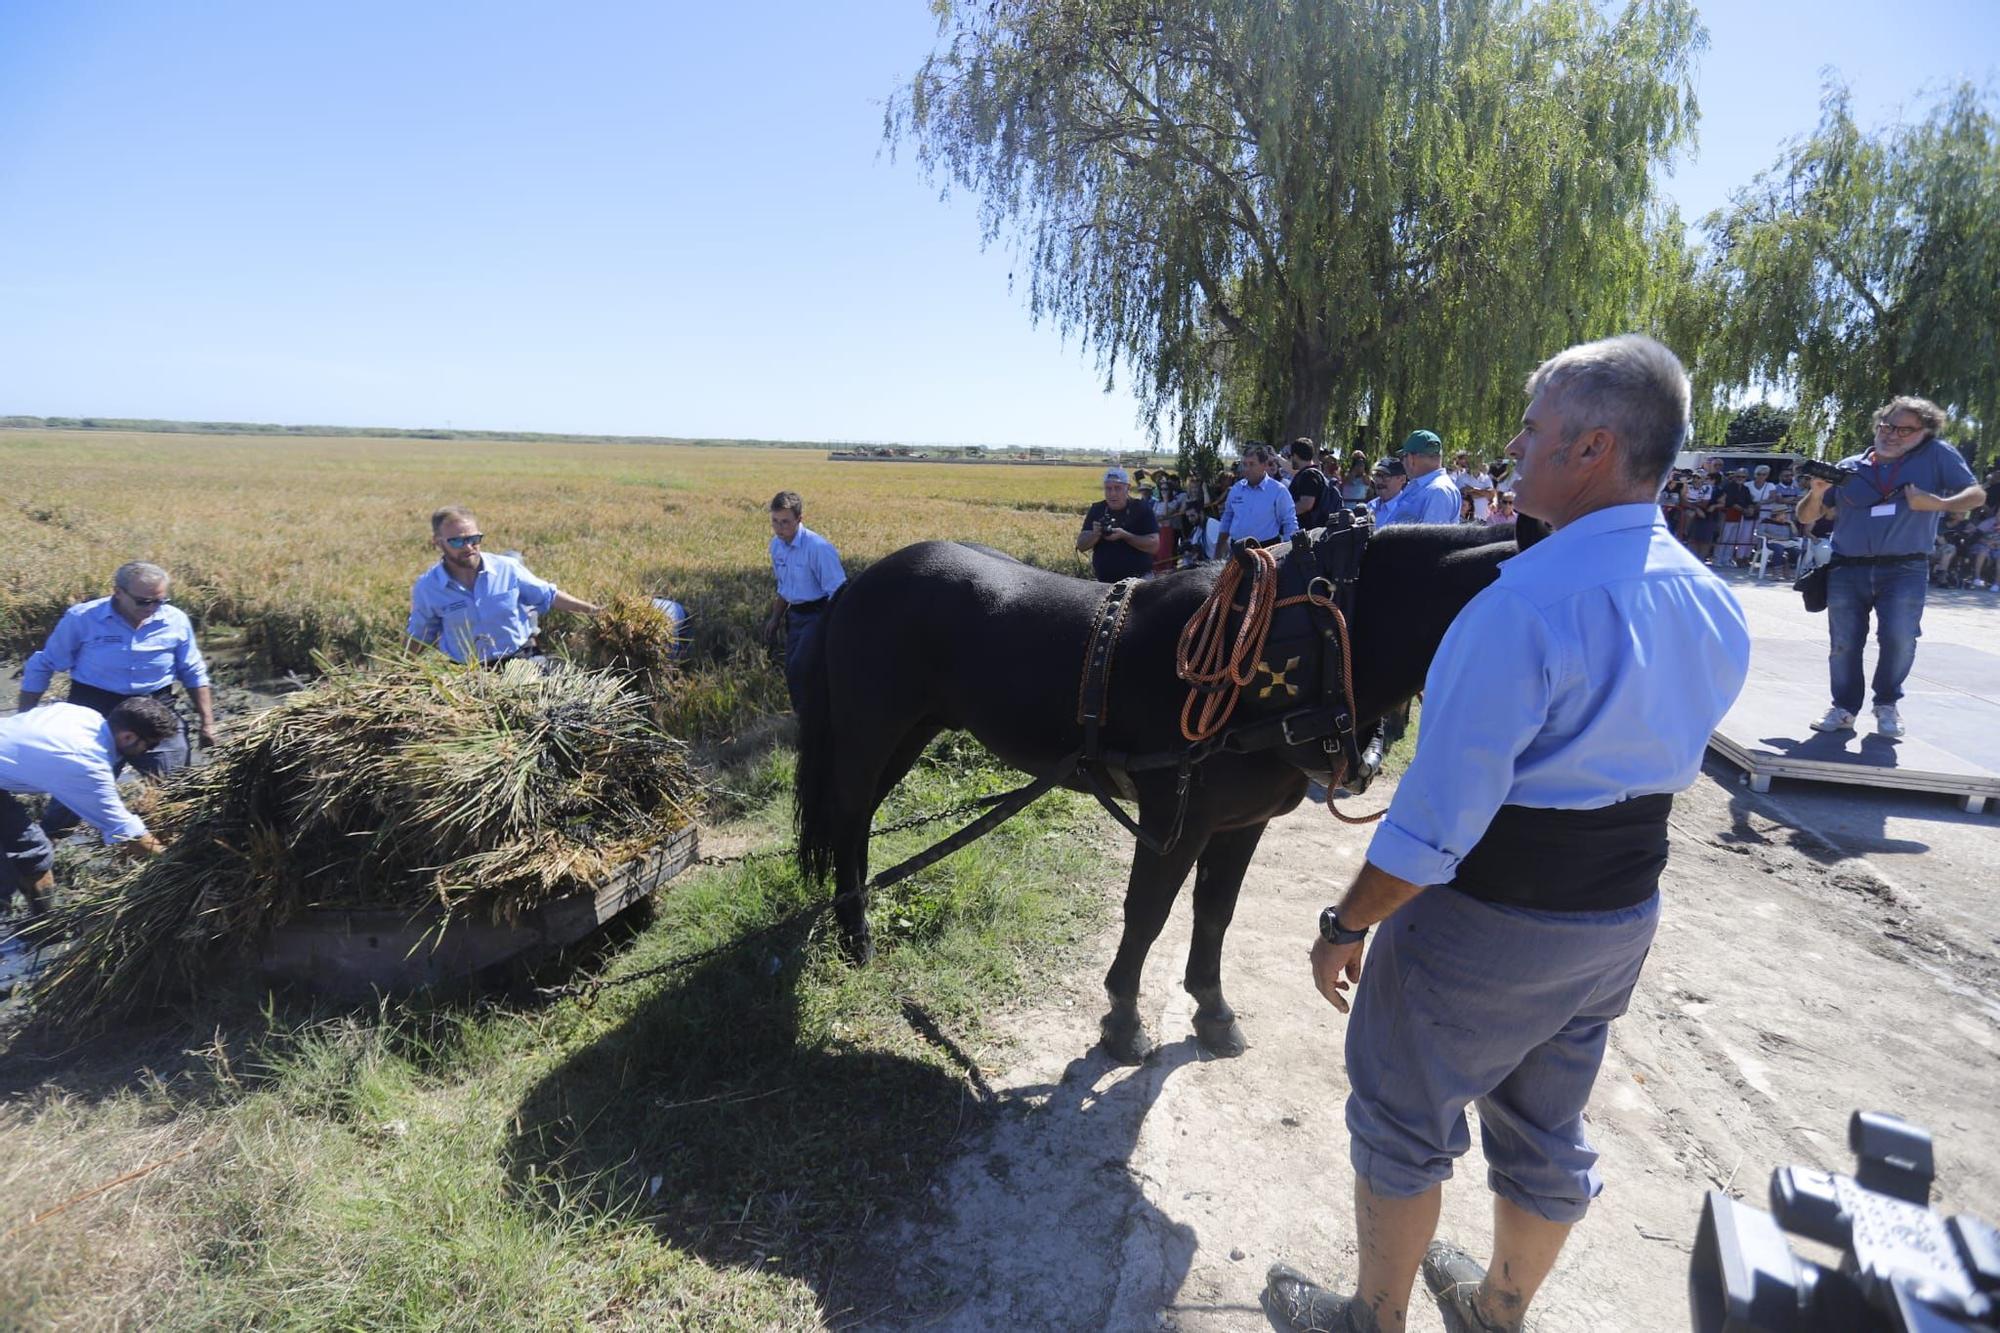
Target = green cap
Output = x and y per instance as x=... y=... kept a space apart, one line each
x=1422 y=442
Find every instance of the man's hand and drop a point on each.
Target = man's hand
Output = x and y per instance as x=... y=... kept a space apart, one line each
x=205 y=732
x=1335 y=967
x=147 y=845
x=1923 y=501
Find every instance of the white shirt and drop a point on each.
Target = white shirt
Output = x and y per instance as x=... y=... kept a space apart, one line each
x=1468 y=482
x=67 y=751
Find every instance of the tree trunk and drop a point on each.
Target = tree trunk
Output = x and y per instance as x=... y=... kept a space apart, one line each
x=1311 y=395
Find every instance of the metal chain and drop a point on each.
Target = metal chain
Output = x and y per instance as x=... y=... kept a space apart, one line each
x=586 y=991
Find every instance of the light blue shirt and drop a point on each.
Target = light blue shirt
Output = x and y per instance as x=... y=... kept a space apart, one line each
x=66 y=750
x=494 y=618
x=1387 y=511
x=1591 y=672
x=1430 y=498
x=808 y=568
x=1264 y=511
x=97 y=647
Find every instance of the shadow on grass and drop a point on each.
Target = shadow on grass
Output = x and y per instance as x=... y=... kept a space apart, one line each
x=706 y=1114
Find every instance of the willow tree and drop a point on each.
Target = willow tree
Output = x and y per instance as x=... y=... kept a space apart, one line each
x=1312 y=210
x=1863 y=266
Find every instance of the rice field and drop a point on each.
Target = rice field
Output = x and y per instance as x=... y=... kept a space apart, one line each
x=285 y=547
x=701 y=1150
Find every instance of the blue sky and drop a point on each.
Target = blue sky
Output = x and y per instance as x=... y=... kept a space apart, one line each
x=628 y=218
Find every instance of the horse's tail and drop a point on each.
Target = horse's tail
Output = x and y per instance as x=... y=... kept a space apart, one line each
x=813 y=783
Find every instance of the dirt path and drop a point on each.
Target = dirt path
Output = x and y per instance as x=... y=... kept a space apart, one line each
x=1791 y=983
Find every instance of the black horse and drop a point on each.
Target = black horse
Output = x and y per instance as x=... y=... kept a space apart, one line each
x=948 y=635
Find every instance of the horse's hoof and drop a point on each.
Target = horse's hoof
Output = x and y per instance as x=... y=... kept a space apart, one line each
x=1221 y=1035
x=860 y=949
x=1125 y=1039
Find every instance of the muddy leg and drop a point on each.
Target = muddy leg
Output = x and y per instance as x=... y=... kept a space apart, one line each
x=1149 y=896
x=1216 y=883
x=851 y=861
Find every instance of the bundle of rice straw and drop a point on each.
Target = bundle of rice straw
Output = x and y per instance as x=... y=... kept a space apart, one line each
x=635 y=636
x=414 y=782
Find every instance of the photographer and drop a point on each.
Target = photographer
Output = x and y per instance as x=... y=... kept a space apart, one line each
x=1121 y=534
x=1885 y=523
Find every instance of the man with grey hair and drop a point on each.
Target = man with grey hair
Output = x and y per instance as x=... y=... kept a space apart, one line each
x=1531 y=824
x=1885 y=522
x=130 y=645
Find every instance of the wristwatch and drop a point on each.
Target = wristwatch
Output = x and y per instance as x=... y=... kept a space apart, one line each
x=1333 y=932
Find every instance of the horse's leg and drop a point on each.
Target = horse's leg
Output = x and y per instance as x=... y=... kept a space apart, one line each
x=850 y=907
x=1149 y=896
x=1216 y=882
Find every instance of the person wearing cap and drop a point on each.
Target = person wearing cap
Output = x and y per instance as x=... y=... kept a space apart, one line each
x=129 y=645
x=1390 y=480
x=72 y=753
x=1258 y=506
x=1430 y=497
x=1122 y=534
x=480 y=608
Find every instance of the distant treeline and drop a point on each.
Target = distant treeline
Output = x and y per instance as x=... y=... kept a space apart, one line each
x=374 y=432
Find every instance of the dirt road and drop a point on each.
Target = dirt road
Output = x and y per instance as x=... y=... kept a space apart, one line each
x=1791 y=983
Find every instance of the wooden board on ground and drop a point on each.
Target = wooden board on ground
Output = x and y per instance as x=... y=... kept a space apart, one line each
x=1951 y=710
x=353 y=954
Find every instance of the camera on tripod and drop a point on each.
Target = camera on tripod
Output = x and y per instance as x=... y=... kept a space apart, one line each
x=1903 y=1267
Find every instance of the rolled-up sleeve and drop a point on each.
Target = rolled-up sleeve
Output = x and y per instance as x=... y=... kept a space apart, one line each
x=426 y=625
x=1485 y=700
x=537 y=594
x=189 y=668
x=57 y=654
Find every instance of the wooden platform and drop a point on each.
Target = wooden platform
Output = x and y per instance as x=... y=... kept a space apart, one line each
x=1951 y=710
x=356 y=954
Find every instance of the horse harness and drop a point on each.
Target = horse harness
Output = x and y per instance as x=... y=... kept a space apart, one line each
x=1315 y=582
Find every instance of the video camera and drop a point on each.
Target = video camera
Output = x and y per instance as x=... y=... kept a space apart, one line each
x=1818 y=471
x=1903 y=1268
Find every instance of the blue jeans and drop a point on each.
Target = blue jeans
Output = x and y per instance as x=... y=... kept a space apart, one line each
x=25 y=853
x=801 y=628
x=1895 y=593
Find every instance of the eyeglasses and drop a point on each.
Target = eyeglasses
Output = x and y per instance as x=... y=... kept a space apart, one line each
x=1900 y=432
x=145 y=601
x=469 y=539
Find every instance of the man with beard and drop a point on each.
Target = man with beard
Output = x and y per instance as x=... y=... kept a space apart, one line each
x=480 y=608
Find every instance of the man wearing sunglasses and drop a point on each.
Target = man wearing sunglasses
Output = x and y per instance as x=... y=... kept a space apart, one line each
x=130 y=645
x=1885 y=524
x=475 y=607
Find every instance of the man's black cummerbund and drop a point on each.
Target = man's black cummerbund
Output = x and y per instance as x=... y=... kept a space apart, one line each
x=90 y=696
x=1570 y=860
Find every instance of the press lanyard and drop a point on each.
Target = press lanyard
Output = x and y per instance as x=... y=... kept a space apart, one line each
x=1895 y=466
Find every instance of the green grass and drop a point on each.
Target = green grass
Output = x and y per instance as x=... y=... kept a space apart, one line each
x=700 y=1150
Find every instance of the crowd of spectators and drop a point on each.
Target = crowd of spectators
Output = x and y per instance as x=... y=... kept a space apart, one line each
x=1729 y=517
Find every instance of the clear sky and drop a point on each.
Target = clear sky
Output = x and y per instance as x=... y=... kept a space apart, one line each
x=634 y=218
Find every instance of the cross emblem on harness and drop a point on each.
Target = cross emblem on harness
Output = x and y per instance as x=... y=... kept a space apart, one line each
x=1278 y=681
